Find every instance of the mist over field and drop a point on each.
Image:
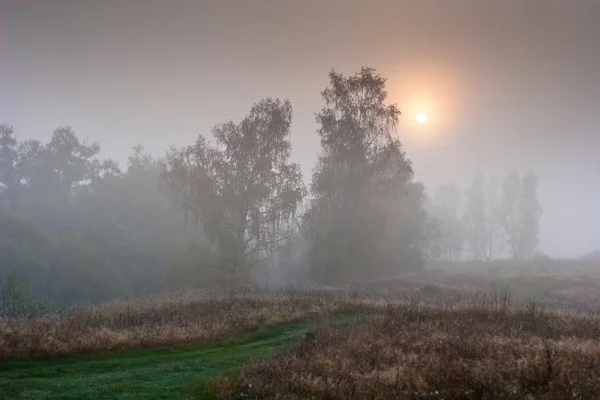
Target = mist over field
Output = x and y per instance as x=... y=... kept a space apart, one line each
x=299 y=199
x=124 y=176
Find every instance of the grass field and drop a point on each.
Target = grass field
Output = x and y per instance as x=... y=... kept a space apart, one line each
x=119 y=350
x=147 y=374
x=463 y=332
x=167 y=320
x=416 y=351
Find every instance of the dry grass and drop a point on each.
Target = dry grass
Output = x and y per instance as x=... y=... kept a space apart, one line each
x=428 y=335
x=562 y=284
x=166 y=320
x=481 y=349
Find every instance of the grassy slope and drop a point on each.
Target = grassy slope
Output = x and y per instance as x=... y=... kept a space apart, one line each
x=147 y=374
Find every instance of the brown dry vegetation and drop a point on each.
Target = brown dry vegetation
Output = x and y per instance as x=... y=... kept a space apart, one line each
x=559 y=283
x=167 y=320
x=484 y=348
x=456 y=334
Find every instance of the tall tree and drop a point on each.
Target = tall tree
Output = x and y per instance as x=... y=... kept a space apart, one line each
x=531 y=212
x=520 y=214
x=360 y=180
x=510 y=216
x=244 y=190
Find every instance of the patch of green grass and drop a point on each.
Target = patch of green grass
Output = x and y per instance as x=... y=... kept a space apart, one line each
x=166 y=373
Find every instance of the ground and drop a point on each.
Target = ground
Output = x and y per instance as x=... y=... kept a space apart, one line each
x=147 y=374
x=453 y=331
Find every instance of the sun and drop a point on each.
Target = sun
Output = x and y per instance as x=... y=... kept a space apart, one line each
x=421 y=118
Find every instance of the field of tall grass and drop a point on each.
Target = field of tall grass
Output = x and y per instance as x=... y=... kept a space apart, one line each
x=417 y=351
x=174 y=319
x=462 y=332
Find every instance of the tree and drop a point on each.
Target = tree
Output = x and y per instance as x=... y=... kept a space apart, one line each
x=531 y=212
x=510 y=218
x=10 y=183
x=520 y=214
x=361 y=179
x=83 y=229
x=444 y=207
x=51 y=174
x=71 y=161
x=243 y=190
x=481 y=220
x=136 y=224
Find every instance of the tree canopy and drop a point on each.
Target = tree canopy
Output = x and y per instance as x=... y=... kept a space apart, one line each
x=364 y=196
x=243 y=190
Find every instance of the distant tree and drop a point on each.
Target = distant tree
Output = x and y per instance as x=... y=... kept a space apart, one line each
x=530 y=211
x=494 y=228
x=10 y=182
x=83 y=229
x=70 y=160
x=510 y=216
x=444 y=208
x=51 y=174
x=520 y=214
x=31 y=165
x=360 y=184
x=481 y=220
x=243 y=191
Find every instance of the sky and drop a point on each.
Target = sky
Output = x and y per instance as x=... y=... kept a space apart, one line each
x=510 y=84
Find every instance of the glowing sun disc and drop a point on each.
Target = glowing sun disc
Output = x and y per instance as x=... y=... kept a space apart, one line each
x=421 y=118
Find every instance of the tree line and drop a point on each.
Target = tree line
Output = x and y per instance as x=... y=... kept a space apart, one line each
x=235 y=210
x=495 y=220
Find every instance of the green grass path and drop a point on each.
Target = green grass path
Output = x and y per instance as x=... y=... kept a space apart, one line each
x=143 y=374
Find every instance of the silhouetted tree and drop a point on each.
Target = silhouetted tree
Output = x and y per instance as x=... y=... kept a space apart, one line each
x=361 y=182
x=520 y=214
x=243 y=191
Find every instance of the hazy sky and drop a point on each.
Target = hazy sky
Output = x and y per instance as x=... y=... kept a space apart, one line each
x=506 y=83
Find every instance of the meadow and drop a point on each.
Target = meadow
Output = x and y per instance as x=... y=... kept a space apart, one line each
x=452 y=331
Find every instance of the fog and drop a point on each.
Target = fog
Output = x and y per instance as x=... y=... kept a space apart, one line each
x=506 y=84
